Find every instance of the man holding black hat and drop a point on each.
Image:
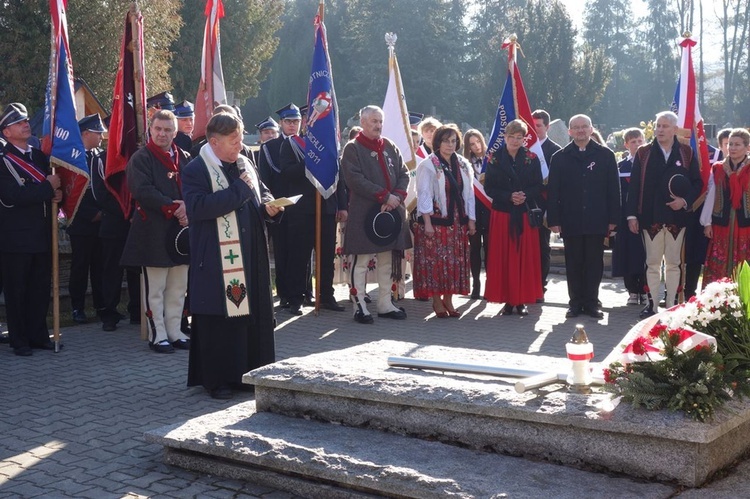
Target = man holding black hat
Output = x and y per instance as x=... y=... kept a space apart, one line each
x=85 y=245
x=269 y=166
x=377 y=178
x=185 y=114
x=664 y=184
x=26 y=192
x=154 y=179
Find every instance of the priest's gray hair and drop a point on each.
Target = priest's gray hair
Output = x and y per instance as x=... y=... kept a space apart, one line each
x=368 y=110
x=669 y=115
x=578 y=117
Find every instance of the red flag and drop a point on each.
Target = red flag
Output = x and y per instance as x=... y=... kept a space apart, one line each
x=211 y=91
x=128 y=122
x=61 y=136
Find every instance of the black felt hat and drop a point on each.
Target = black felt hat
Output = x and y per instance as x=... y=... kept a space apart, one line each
x=382 y=227
x=178 y=244
x=678 y=185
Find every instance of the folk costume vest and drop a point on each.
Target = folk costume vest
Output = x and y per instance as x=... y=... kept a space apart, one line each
x=731 y=193
x=236 y=301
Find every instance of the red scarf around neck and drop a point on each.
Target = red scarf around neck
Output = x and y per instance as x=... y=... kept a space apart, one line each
x=378 y=146
x=170 y=161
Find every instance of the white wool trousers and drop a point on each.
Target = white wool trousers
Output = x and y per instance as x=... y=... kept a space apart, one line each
x=164 y=301
x=383 y=271
x=668 y=248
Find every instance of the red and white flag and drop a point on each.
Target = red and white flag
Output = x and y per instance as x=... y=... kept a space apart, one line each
x=211 y=91
x=688 y=113
x=127 y=125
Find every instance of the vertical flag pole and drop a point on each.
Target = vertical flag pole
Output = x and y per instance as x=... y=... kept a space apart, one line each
x=318 y=211
x=55 y=243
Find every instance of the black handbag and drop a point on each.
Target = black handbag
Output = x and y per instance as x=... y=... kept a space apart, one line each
x=536 y=215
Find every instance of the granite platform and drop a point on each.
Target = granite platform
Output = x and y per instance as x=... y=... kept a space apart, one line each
x=353 y=408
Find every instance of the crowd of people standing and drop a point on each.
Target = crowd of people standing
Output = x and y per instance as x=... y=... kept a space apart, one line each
x=195 y=239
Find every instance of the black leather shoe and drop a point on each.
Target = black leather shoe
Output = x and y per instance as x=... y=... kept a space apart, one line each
x=283 y=303
x=308 y=301
x=507 y=309
x=332 y=305
x=4 y=339
x=23 y=351
x=363 y=318
x=396 y=314
x=595 y=313
x=222 y=393
x=79 y=316
x=162 y=347
x=109 y=326
x=522 y=310
x=572 y=312
x=181 y=344
x=45 y=346
x=295 y=309
x=647 y=312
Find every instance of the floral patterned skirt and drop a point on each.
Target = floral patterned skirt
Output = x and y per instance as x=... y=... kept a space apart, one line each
x=728 y=247
x=441 y=261
x=514 y=270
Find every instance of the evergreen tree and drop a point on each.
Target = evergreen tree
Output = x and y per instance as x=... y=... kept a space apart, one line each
x=609 y=27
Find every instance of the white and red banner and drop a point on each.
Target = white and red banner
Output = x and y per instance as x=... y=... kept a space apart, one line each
x=689 y=115
x=211 y=91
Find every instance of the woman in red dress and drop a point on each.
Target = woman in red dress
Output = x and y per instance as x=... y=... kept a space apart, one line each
x=513 y=179
x=726 y=211
x=445 y=203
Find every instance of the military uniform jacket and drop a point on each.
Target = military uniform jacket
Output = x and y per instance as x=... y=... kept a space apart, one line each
x=154 y=188
x=269 y=166
x=294 y=176
x=366 y=182
x=583 y=190
x=25 y=204
x=115 y=225
x=83 y=223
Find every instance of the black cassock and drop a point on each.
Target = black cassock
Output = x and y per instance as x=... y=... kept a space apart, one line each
x=223 y=349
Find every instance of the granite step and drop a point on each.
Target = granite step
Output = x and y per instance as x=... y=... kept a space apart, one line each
x=317 y=459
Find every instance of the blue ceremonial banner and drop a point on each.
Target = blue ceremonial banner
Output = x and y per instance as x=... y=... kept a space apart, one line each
x=61 y=136
x=322 y=135
x=506 y=112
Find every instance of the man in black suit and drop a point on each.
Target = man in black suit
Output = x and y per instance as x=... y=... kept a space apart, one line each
x=26 y=192
x=584 y=203
x=269 y=167
x=549 y=147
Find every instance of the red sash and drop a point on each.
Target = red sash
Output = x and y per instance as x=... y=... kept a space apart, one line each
x=29 y=168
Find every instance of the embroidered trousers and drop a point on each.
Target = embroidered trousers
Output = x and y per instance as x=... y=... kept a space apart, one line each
x=164 y=301
x=668 y=248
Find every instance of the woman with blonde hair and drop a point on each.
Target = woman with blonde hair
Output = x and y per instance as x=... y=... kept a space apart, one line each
x=513 y=179
x=474 y=150
x=445 y=203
